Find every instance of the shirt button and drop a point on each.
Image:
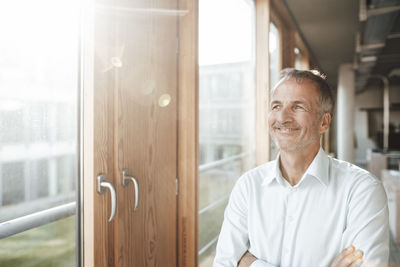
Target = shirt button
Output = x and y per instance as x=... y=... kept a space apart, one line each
x=290 y=218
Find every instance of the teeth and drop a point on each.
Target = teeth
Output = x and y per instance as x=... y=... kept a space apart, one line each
x=285 y=130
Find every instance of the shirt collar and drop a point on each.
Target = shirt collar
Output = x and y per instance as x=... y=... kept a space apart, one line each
x=319 y=168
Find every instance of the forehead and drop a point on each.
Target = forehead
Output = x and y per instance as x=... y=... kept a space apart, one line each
x=290 y=90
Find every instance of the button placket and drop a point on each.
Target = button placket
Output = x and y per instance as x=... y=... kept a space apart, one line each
x=289 y=227
x=291 y=199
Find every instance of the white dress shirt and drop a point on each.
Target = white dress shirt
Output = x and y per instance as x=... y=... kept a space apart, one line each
x=334 y=205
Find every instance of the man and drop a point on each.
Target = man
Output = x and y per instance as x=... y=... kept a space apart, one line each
x=304 y=209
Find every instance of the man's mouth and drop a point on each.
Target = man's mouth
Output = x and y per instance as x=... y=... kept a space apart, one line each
x=286 y=129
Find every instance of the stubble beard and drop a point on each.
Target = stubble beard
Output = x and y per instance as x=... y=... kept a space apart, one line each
x=297 y=145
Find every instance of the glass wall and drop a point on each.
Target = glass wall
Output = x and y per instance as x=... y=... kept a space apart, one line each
x=274 y=69
x=38 y=128
x=227 y=112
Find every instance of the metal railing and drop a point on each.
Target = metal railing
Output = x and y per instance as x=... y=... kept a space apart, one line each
x=36 y=219
x=214 y=204
x=208 y=245
x=217 y=163
x=209 y=166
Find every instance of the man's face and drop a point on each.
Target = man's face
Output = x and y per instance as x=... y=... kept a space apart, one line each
x=293 y=118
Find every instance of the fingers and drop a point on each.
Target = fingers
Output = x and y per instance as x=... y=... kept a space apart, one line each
x=339 y=258
x=350 y=257
x=353 y=258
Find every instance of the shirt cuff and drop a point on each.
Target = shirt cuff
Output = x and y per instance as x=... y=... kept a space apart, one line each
x=260 y=263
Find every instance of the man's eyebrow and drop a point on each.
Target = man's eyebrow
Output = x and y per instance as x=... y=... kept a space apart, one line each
x=300 y=102
x=295 y=102
x=275 y=102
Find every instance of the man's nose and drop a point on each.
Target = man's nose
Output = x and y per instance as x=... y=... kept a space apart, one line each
x=285 y=115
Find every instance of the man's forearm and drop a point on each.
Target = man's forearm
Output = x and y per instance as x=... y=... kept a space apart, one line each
x=246 y=260
x=249 y=259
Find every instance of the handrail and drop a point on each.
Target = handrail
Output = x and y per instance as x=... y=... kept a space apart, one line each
x=213 y=204
x=217 y=163
x=36 y=219
x=208 y=245
x=208 y=166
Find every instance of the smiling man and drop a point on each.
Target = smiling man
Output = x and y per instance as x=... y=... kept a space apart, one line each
x=305 y=208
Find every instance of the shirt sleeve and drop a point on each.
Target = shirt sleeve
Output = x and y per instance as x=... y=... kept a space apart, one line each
x=367 y=225
x=233 y=239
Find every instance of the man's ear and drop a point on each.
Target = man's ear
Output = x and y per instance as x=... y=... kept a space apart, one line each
x=325 y=122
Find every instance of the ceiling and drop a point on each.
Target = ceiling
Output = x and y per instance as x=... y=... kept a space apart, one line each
x=360 y=32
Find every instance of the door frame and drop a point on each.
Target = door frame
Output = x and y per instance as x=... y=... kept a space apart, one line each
x=188 y=125
x=188 y=131
x=95 y=251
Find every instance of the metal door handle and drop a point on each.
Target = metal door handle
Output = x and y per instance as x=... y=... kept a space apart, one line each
x=101 y=189
x=125 y=181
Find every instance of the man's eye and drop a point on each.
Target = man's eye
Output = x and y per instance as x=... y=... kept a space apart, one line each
x=274 y=107
x=299 y=107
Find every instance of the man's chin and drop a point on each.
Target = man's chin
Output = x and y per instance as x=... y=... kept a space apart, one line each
x=293 y=146
x=288 y=144
x=289 y=148
x=284 y=146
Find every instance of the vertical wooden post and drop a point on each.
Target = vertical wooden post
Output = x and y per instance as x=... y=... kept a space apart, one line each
x=87 y=132
x=262 y=80
x=188 y=135
x=288 y=57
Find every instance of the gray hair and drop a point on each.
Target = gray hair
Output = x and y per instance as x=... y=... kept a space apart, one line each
x=326 y=101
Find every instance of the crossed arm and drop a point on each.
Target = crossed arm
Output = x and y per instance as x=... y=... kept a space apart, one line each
x=350 y=257
x=366 y=225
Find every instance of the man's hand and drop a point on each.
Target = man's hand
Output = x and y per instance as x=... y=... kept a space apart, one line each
x=246 y=260
x=350 y=257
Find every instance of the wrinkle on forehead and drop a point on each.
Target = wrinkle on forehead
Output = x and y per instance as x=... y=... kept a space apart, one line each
x=297 y=80
x=304 y=83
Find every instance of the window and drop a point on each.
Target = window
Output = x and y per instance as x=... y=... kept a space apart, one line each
x=227 y=113
x=274 y=69
x=38 y=130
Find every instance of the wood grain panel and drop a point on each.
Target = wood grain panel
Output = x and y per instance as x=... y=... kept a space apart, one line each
x=146 y=131
x=262 y=80
x=188 y=135
x=288 y=45
x=100 y=153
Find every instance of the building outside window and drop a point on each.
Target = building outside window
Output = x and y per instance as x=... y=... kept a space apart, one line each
x=39 y=130
x=227 y=112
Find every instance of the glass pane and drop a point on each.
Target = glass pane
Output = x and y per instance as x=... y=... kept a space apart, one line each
x=38 y=126
x=227 y=86
x=274 y=69
x=49 y=245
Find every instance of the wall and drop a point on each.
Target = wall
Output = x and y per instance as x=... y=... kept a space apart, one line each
x=371 y=98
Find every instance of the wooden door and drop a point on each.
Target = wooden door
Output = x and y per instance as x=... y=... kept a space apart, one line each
x=146 y=133
x=135 y=128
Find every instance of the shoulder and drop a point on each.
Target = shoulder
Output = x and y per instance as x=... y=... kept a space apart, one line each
x=349 y=173
x=258 y=174
x=357 y=182
x=255 y=177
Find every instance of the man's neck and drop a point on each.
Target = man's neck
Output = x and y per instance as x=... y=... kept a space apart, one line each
x=293 y=164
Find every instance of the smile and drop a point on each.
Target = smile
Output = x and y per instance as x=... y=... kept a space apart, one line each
x=285 y=129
